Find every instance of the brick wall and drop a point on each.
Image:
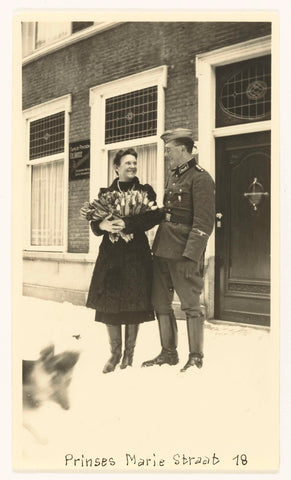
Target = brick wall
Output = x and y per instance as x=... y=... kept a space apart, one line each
x=78 y=231
x=124 y=50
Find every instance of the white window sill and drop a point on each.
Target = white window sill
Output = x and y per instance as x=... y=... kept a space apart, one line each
x=59 y=256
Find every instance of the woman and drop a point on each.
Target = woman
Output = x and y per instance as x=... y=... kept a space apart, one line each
x=120 y=288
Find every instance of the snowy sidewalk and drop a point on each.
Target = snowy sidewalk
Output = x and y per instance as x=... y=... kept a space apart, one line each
x=226 y=407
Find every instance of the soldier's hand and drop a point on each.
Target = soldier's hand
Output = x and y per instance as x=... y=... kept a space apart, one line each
x=189 y=267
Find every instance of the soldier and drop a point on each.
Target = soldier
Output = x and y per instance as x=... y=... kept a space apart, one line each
x=179 y=248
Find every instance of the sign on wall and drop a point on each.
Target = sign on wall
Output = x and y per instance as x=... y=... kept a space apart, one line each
x=79 y=158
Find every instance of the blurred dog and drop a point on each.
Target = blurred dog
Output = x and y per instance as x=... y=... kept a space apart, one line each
x=47 y=379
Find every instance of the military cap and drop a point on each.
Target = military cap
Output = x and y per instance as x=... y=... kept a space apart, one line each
x=170 y=135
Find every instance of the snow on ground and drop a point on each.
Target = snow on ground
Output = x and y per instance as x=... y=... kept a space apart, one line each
x=227 y=407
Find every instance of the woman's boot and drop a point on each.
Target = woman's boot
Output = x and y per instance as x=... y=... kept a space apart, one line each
x=114 y=333
x=131 y=332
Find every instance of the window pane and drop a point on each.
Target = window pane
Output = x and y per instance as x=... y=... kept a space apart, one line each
x=132 y=115
x=77 y=26
x=49 y=32
x=47 y=190
x=27 y=29
x=243 y=92
x=47 y=136
x=146 y=164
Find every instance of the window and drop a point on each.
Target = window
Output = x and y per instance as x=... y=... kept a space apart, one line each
x=47 y=136
x=50 y=32
x=243 y=92
x=77 y=26
x=47 y=175
x=47 y=191
x=38 y=35
x=129 y=112
x=133 y=116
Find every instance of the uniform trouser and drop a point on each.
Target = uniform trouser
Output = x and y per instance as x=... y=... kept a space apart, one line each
x=186 y=278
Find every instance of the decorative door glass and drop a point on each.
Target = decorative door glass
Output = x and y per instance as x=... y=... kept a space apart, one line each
x=243 y=92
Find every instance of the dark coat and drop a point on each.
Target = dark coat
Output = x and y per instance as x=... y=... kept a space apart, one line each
x=122 y=277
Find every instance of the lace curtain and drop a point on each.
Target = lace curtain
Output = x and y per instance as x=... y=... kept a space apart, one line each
x=146 y=164
x=47 y=189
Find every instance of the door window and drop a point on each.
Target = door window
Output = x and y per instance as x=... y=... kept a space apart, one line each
x=243 y=92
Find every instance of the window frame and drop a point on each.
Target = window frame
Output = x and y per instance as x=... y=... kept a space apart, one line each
x=61 y=104
x=52 y=42
x=35 y=53
x=99 y=149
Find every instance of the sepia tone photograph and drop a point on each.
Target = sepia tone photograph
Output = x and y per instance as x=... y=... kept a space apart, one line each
x=146 y=253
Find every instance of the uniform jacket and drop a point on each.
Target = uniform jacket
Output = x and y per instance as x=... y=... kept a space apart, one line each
x=189 y=202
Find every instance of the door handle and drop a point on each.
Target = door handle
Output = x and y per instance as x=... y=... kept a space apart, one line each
x=219 y=216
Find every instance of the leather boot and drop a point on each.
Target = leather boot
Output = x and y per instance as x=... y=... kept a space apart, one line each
x=195 y=359
x=131 y=332
x=169 y=340
x=195 y=329
x=114 y=333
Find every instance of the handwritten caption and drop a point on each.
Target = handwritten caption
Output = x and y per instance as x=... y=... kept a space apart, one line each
x=133 y=460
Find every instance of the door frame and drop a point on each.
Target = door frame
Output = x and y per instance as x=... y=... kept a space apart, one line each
x=206 y=64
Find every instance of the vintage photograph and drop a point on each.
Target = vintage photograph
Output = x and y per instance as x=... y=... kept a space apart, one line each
x=146 y=244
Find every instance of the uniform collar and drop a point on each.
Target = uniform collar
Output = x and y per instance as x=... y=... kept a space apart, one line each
x=184 y=167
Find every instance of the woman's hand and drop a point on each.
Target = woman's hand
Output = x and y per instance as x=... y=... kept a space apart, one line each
x=111 y=224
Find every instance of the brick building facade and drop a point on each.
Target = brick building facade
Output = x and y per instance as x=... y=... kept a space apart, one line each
x=96 y=62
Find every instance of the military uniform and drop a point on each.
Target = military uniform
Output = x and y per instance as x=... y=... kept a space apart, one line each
x=179 y=247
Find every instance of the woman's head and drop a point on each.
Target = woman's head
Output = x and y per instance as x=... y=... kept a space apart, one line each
x=125 y=164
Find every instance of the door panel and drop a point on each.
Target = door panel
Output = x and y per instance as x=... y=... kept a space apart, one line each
x=243 y=228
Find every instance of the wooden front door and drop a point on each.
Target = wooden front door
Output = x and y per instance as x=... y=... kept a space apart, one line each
x=242 y=266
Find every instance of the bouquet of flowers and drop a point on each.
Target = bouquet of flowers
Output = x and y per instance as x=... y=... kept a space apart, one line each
x=118 y=205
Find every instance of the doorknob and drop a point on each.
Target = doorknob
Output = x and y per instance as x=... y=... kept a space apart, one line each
x=219 y=216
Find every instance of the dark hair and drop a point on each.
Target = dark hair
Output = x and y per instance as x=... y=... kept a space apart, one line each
x=121 y=153
x=187 y=142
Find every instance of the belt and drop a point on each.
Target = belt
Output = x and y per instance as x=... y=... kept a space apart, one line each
x=171 y=217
